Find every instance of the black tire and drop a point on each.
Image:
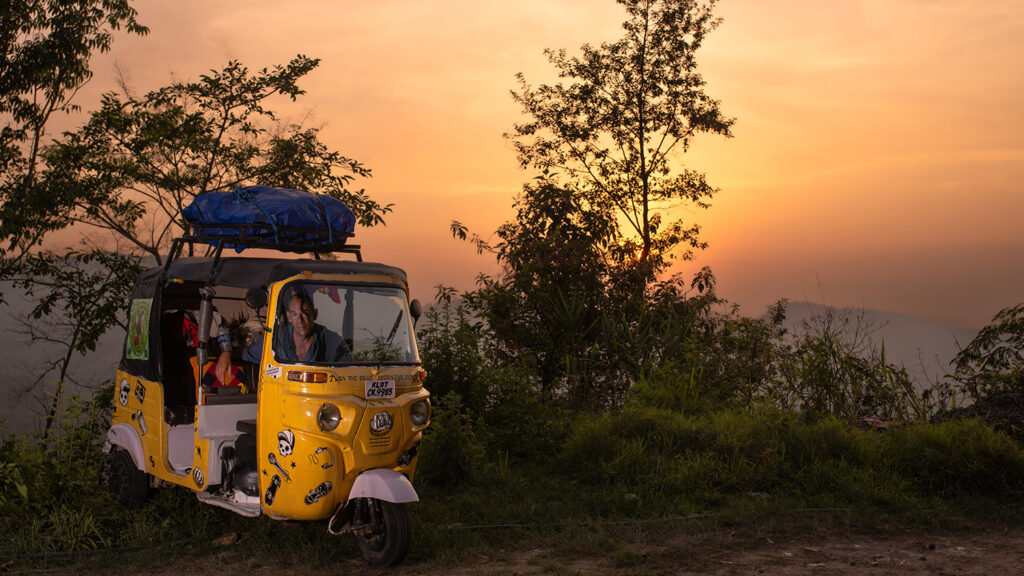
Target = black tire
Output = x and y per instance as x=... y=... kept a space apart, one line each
x=390 y=543
x=128 y=484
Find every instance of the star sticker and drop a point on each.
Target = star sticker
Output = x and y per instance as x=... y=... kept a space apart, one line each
x=293 y=464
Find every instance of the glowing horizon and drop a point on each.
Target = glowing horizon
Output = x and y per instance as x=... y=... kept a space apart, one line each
x=877 y=160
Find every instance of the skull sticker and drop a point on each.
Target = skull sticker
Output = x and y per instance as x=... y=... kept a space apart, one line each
x=285 y=442
x=124 y=391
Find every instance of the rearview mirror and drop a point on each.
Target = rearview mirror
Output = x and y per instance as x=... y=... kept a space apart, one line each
x=256 y=298
x=415 y=310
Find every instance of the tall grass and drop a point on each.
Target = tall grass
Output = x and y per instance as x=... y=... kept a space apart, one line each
x=699 y=462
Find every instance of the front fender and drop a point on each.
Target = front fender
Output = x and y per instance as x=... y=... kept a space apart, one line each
x=384 y=484
x=125 y=436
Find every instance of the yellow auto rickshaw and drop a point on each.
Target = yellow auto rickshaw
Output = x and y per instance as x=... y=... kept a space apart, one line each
x=279 y=386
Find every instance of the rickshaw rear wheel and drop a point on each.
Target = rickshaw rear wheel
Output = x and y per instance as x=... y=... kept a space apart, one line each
x=128 y=484
x=389 y=542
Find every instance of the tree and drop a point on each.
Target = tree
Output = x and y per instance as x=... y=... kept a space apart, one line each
x=628 y=110
x=138 y=161
x=545 y=308
x=80 y=298
x=993 y=363
x=131 y=168
x=47 y=45
x=589 y=236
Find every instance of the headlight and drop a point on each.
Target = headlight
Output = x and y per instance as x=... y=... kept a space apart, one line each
x=419 y=413
x=329 y=417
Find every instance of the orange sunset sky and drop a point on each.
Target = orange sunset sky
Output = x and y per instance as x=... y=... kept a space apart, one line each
x=877 y=158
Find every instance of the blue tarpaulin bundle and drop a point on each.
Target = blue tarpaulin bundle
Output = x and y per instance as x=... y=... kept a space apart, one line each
x=270 y=216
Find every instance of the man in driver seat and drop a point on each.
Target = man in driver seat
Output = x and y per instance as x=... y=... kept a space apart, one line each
x=303 y=340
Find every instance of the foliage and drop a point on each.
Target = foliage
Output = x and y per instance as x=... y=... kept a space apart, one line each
x=993 y=363
x=573 y=301
x=629 y=109
x=80 y=295
x=836 y=369
x=958 y=458
x=139 y=160
x=130 y=170
x=451 y=453
x=59 y=480
x=697 y=461
x=544 y=310
x=503 y=402
x=47 y=46
x=453 y=352
x=11 y=483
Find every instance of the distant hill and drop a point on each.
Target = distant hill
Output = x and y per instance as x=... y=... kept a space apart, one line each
x=21 y=362
x=923 y=347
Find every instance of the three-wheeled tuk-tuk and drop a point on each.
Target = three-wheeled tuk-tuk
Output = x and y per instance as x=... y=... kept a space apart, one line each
x=279 y=386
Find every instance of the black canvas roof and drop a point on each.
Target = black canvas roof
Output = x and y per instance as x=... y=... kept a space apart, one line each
x=257 y=272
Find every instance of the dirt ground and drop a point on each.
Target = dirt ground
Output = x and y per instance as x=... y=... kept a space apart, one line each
x=682 y=551
x=826 y=553
x=731 y=553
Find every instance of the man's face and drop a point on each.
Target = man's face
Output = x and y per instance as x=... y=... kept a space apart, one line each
x=301 y=315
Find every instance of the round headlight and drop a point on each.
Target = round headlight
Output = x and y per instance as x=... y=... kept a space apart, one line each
x=419 y=413
x=329 y=417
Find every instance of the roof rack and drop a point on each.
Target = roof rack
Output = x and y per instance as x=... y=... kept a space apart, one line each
x=264 y=236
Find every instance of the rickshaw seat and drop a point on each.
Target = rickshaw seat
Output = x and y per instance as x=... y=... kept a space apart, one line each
x=246 y=427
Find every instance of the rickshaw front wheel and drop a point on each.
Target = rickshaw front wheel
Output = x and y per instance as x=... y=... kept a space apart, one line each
x=128 y=484
x=388 y=542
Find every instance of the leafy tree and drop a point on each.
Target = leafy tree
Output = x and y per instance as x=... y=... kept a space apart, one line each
x=628 y=110
x=47 y=45
x=545 y=308
x=131 y=168
x=453 y=351
x=80 y=298
x=993 y=363
x=589 y=235
x=138 y=161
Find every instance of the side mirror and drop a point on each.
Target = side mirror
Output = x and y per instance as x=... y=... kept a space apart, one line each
x=415 y=310
x=256 y=298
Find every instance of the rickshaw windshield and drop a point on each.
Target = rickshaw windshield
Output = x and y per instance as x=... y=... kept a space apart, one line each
x=325 y=323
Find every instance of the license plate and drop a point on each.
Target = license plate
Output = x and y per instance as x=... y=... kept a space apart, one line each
x=378 y=389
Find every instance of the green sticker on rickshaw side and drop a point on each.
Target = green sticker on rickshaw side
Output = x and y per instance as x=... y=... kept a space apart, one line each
x=138 y=329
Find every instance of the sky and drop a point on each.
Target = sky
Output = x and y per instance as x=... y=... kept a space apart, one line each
x=877 y=159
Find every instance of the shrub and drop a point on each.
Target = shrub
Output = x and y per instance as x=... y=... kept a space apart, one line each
x=451 y=454
x=956 y=459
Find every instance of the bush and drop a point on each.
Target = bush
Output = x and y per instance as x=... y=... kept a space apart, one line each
x=706 y=460
x=451 y=454
x=958 y=459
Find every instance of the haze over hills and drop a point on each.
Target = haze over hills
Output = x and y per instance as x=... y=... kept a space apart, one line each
x=23 y=409
x=923 y=347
